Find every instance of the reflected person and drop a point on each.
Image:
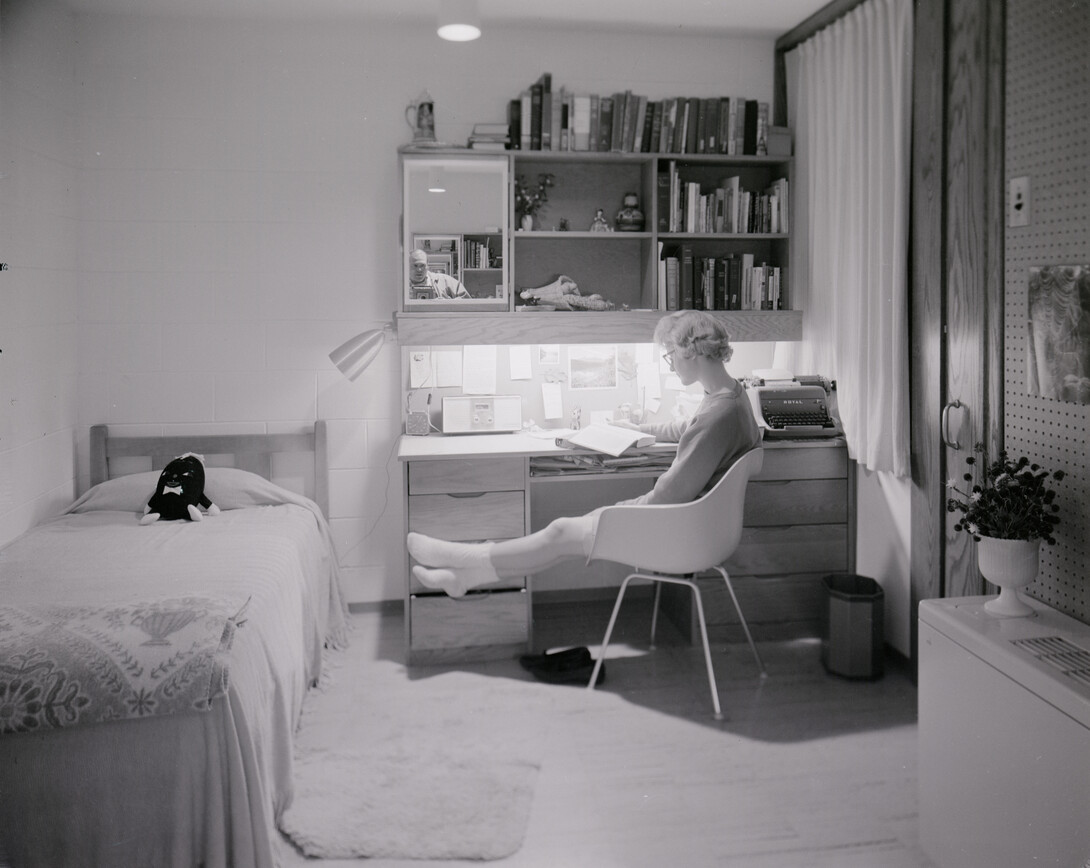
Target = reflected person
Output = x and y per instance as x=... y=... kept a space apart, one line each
x=424 y=283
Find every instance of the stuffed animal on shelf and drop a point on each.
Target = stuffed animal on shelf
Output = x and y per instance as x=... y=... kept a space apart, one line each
x=180 y=492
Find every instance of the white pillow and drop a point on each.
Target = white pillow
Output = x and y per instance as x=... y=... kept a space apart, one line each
x=226 y=487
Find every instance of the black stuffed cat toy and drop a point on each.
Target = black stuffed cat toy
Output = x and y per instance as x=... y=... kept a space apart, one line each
x=180 y=492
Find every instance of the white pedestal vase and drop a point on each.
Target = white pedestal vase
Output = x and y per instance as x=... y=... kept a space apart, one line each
x=1011 y=564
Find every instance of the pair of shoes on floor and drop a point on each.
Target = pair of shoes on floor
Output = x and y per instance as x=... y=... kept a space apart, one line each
x=569 y=666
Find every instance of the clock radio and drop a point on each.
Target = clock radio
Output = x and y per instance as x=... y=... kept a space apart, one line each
x=482 y=414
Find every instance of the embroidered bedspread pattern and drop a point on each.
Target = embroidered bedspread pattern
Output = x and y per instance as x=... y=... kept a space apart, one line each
x=62 y=665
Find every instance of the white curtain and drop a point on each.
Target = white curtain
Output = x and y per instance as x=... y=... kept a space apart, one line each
x=850 y=105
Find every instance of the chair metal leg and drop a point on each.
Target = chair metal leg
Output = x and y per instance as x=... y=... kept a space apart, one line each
x=609 y=632
x=742 y=618
x=707 y=650
x=655 y=614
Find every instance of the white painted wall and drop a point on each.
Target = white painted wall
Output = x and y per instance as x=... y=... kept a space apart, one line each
x=38 y=231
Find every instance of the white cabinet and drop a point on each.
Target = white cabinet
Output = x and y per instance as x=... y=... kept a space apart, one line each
x=1004 y=723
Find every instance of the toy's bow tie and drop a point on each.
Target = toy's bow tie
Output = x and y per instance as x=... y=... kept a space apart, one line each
x=172 y=489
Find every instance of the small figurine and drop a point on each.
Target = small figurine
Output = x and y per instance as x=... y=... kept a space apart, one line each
x=630 y=217
x=600 y=223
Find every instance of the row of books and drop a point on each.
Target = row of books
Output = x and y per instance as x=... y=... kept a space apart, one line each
x=481 y=254
x=625 y=122
x=730 y=282
x=729 y=208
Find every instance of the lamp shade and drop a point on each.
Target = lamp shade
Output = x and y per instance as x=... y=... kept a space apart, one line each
x=354 y=355
x=458 y=20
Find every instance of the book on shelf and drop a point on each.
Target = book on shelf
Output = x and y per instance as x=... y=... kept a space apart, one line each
x=556 y=105
x=691 y=125
x=605 y=123
x=686 y=301
x=616 y=134
x=665 y=182
x=762 y=129
x=666 y=127
x=702 y=126
x=639 y=124
x=580 y=122
x=749 y=128
x=525 y=113
x=609 y=439
x=651 y=140
x=592 y=137
x=536 y=95
x=514 y=124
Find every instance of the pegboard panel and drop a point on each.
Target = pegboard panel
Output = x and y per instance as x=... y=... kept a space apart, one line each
x=1048 y=141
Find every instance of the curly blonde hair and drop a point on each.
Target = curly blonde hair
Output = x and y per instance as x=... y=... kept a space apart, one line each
x=693 y=333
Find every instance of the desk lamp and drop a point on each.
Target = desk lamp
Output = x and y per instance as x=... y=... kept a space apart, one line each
x=355 y=354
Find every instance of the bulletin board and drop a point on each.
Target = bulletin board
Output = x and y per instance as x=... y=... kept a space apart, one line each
x=1047 y=139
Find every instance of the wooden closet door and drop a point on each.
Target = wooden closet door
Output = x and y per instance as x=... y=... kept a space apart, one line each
x=957 y=279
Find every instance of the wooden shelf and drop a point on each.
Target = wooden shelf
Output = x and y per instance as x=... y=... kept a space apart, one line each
x=579 y=327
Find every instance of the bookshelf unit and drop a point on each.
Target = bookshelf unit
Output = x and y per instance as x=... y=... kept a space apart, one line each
x=624 y=267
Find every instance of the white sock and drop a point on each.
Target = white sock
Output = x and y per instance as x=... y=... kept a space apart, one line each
x=455 y=581
x=433 y=552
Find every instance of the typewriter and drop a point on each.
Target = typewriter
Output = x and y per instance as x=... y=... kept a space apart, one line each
x=790 y=407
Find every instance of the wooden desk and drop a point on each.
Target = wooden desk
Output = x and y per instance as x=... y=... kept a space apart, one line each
x=799 y=525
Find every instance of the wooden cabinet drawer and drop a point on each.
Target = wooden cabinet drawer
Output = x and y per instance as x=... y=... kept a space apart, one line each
x=477 y=619
x=792 y=549
x=804 y=462
x=492 y=515
x=457 y=476
x=804 y=501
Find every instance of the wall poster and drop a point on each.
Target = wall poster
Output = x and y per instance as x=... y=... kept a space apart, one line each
x=1058 y=333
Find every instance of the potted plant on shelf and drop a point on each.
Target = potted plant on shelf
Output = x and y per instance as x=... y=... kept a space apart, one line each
x=531 y=199
x=1009 y=512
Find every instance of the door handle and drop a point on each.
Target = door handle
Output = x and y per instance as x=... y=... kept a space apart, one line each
x=952 y=405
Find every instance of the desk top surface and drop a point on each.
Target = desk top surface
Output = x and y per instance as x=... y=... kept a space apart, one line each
x=526 y=445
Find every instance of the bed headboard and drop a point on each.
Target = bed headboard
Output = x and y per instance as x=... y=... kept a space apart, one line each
x=253 y=452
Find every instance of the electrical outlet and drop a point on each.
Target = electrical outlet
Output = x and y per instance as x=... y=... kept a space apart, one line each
x=1018 y=203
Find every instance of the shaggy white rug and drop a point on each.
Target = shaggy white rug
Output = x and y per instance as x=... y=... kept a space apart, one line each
x=429 y=769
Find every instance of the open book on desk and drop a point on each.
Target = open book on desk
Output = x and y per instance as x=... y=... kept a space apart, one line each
x=610 y=439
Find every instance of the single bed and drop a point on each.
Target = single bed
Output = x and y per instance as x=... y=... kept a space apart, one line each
x=152 y=677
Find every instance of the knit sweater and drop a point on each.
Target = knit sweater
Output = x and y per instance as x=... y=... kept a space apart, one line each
x=720 y=431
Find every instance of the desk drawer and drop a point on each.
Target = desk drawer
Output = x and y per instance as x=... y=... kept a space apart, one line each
x=802 y=501
x=805 y=462
x=786 y=550
x=455 y=476
x=492 y=515
x=477 y=619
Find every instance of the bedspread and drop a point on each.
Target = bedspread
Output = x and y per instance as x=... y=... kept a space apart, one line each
x=64 y=665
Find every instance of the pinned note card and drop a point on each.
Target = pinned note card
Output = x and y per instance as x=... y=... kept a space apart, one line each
x=420 y=369
x=448 y=367
x=479 y=370
x=519 y=361
x=552 y=399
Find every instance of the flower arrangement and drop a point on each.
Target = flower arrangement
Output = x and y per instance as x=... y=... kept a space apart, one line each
x=1013 y=501
x=532 y=199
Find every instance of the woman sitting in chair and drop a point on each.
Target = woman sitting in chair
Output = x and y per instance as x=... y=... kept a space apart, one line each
x=720 y=431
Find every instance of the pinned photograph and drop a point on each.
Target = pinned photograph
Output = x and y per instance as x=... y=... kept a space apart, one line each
x=592 y=366
x=1058 y=332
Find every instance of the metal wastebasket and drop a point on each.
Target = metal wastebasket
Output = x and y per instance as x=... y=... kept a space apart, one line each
x=852 y=641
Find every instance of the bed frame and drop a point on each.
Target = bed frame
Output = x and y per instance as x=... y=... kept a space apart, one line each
x=252 y=452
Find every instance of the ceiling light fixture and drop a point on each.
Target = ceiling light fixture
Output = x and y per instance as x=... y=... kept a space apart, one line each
x=458 y=20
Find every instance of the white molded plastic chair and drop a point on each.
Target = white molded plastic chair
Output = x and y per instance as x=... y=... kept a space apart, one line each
x=672 y=543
